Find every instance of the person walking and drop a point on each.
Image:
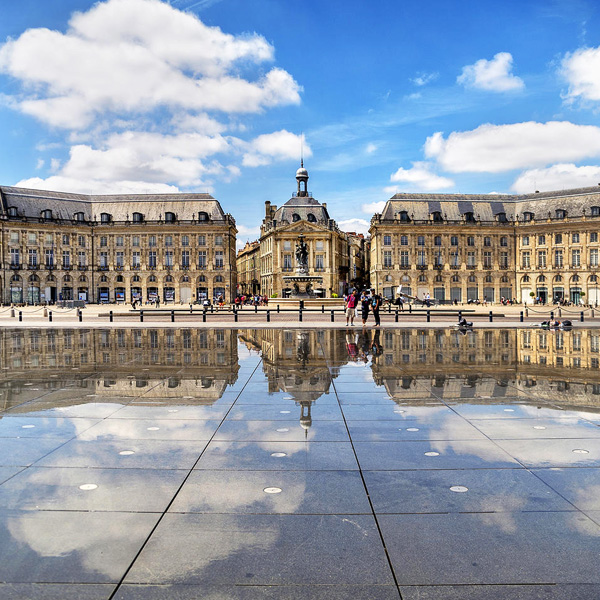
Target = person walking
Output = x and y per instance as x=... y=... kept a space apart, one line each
x=364 y=306
x=375 y=306
x=350 y=308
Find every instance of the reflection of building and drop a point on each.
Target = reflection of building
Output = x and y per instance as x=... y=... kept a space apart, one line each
x=329 y=263
x=166 y=363
x=467 y=247
x=175 y=247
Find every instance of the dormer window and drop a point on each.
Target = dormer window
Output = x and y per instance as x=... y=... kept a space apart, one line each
x=595 y=211
x=436 y=217
x=528 y=216
x=311 y=218
x=47 y=214
x=12 y=211
x=105 y=218
x=138 y=217
x=404 y=216
x=295 y=217
x=202 y=216
x=469 y=217
x=170 y=217
x=79 y=216
x=560 y=213
x=501 y=217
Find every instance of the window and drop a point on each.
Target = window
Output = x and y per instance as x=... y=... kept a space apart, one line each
x=575 y=238
x=151 y=241
x=50 y=257
x=295 y=217
x=454 y=240
x=81 y=241
x=528 y=216
x=421 y=240
x=105 y=218
x=469 y=217
x=404 y=263
x=202 y=216
x=541 y=259
x=454 y=259
x=387 y=240
x=136 y=259
x=311 y=218
x=541 y=240
x=504 y=261
x=287 y=246
x=103 y=241
x=119 y=241
x=185 y=240
x=471 y=259
x=437 y=217
x=168 y=240
x=14 y=257
x=32 y=238
x=558 y=238
x=525 y=240
x=81 y=259
x=437 y=240
x=560 y=213
x=47 y=214
x=470 y=241
x=152 y=258
x=421 y=258
x=576 y=258
x=218 y=240
x=138 y=217
x=201 y=240
x=170 y=217
x=14 y=237
x=404 y=216
x=319 y=245
x=12 y=211
x=593 y=236
x=287 y=262
x=487 y=241
x=595 y=211
x=79 y=216
x=594 y=257
x=387 y=259
x=319 y=262
x=168 y=258
x=202 y=259
x=66 y=259
x=120 y=260
x=558 y=258
x=404 y=240
x=526 y=259
x=487 y=260
x=438 y=259
x=501 y=217
x=504 y=241
x=219 y=259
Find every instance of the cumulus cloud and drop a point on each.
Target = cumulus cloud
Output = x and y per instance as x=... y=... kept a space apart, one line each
x=491 y=75
x=581 y=69
x=356 y=225
x=269 y=147
x=373 y=207
x=421 y=177
x=245 y=234
x=557 y=177
x=59 y=183
x=146 y=94
x=496 y=148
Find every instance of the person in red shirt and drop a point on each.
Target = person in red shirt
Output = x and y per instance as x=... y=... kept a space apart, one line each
x=351 y=307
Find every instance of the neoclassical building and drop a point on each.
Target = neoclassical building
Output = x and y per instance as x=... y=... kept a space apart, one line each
x=59 y=246
x=332 y=253
x=469 y=247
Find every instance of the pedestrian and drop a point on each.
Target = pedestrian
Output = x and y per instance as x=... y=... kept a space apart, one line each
x=350 y=308
x=375 y=306
x=364 y=306
x=157 y=302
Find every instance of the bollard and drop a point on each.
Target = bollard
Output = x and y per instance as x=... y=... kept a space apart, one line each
x=592 y=313
x=332 y=316
x=526 y=312
x=552 y=315
x=255 y=308
x=278 y=309
x=300 y=314
x=80 y=315
x=172 y=316
x=560 y=312
x=491 y=317
x=204 y=316
x=521 y=317
x=141 y=316
x=268 y=316
x=50 y=316
x=322 y=308
x=20 y=316
x=110 y=316
x=191 y=309
x=212 y=308
x=396 y=315
x=301 y=303
x=390 y=307
x=12 y=312
x=45 y=312
x=409 y=309
x=581 y=318
x=428 y=316
x=235 y=316
x=459 y=315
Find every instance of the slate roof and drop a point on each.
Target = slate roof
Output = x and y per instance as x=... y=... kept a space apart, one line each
x=302 y=206
x=30 y=203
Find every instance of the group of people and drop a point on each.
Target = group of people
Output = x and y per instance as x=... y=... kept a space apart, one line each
x=368 y=301
x=252 y=300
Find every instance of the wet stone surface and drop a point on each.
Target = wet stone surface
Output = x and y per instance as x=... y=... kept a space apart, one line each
x=249 y=464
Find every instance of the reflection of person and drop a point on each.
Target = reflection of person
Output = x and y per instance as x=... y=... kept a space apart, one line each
x=376 y=349
x=351 y=346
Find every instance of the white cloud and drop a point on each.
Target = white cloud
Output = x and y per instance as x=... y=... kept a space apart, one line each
x=492 y=75
x=373 y=207
x=424 y=78
x=356 y=225
x=93 y=186
x=557 y=177
x=371 y=148
x=280 y=145
x=40 y=163
x=582 y=71
x=497 y=148
x=421 y=177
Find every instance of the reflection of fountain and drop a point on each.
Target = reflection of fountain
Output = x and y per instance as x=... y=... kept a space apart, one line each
x=302 y=283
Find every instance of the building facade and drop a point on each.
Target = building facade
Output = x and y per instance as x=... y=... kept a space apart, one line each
x=171 y=247
x=329 y=248
x=462 y=248
x=248 y=269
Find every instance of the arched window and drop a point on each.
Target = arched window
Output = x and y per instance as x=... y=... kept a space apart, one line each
x=311 y=218
x=295 y=217
x=152 y=278
x=119 y=278
x=83 y=279
x=79 y=216
x=455 y=279
x=593 y=278
x=138 y=217
x=105 y=218
x=469 y=217
x=436 y=217
x=169 y=278
x=202 y=216
x=185 y=279
x=135 y=278
x=405 y=279
x=526 y=279
x=170 y=217
x=438 y=278
x=488 y=279
x=47 y=214
x=472 y=279
x=103 y=279
x=422 y=278
x=201 y=279
x=404 y=216
x=219 y=279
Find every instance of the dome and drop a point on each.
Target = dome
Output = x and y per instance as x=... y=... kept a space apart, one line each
x=301 y=172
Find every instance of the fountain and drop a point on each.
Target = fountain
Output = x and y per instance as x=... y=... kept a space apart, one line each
x=302 y=283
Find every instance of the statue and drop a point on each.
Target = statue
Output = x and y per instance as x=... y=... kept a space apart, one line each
x=302 y=256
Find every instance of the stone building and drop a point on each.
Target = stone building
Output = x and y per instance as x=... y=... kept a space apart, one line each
x=59 y=246
x=248 y=269
x=328 y=246
x=469 y=247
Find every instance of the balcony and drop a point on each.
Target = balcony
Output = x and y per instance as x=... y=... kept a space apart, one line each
x=50 y=267
x=422 y=267
x=184 y=267
x=471 y=267
x=438 y=266
x=67 y=267
x=504 y=267
x=16 y=266
x=33 y=267
x=455 y=267
x=119 y=268
x=136 y=267
x=287 y=269
x=103 y=268
x=82 y=267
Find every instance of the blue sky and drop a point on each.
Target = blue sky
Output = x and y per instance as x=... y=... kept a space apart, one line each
x=214 y=95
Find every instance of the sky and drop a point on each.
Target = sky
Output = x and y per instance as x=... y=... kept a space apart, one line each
x=223 y=96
